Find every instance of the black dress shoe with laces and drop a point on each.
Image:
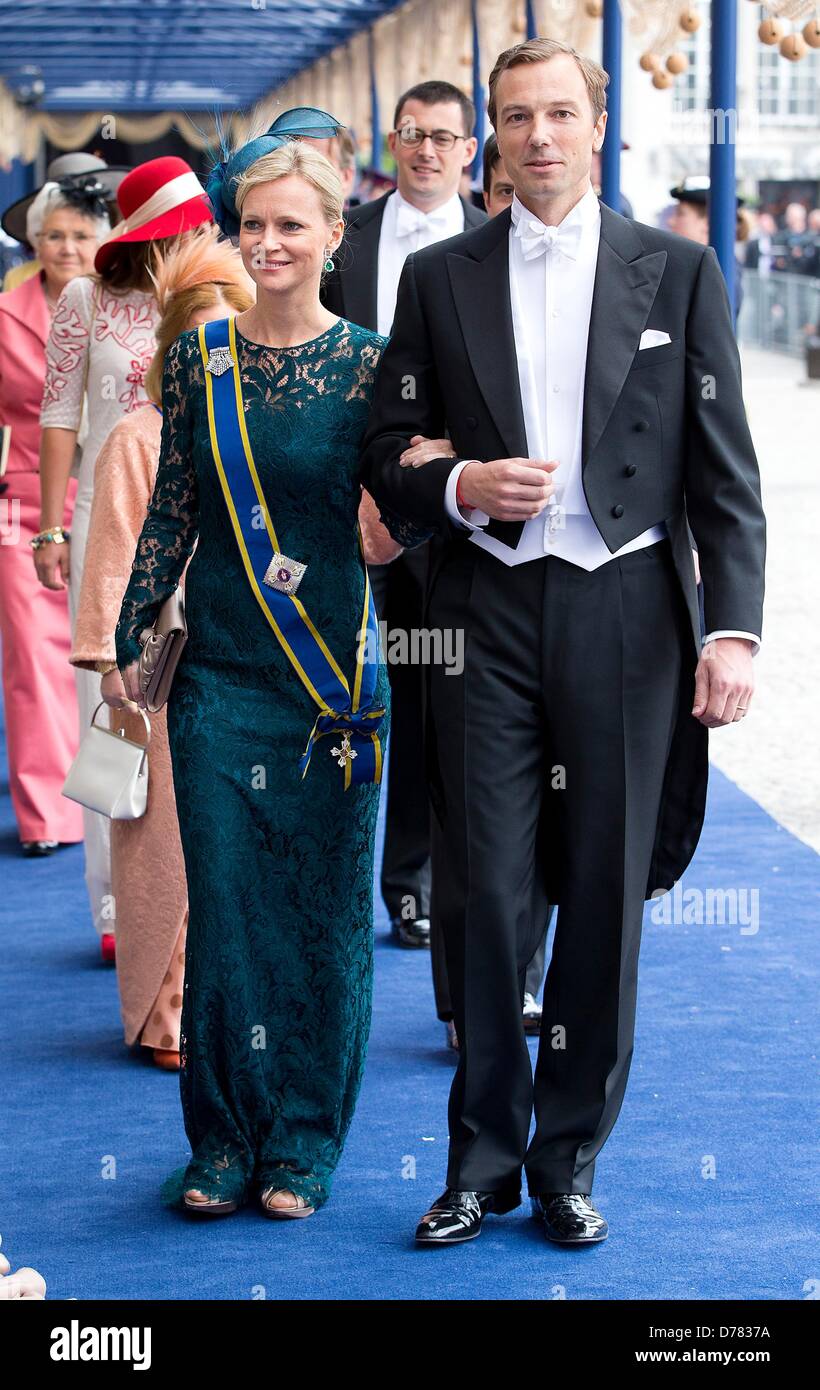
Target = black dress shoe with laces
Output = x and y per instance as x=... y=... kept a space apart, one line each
x=569 y=1218
x=411 y=932
x=456 y=1216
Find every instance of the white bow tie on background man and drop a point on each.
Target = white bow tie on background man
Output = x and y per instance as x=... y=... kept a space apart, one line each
x=536 y=239
x=410 y=220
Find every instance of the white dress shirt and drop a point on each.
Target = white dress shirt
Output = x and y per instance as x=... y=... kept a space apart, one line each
x=405 y=229
x=552 y=277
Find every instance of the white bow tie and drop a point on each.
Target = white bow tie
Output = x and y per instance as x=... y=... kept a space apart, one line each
x=536 y=239
x=410 y=220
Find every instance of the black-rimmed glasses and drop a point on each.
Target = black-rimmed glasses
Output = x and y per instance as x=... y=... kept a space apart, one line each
x=412 y=137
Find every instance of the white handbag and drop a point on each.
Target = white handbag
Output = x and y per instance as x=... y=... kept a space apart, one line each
x=110 y=772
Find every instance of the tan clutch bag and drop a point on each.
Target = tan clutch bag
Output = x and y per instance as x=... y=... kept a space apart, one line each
x=162 y=648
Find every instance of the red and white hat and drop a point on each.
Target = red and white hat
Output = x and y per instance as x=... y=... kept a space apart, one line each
x=158 y=199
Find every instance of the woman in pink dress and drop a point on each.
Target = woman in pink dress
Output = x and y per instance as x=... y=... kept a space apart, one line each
x=64 y=224
x=101 y=345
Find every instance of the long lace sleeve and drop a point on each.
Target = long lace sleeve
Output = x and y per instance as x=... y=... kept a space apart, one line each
x=67 y=356
x=170 y=529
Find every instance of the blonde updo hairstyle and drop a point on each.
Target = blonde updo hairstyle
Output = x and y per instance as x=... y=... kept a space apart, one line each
x=309 y=163
x=195 y=274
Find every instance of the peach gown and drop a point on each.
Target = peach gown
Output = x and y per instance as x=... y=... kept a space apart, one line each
x=147 y=869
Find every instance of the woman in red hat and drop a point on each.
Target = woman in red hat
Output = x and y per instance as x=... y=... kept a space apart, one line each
x=200 y=279
x=101 y=345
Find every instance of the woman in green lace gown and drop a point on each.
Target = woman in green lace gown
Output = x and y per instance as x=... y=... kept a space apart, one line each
x=278 y=972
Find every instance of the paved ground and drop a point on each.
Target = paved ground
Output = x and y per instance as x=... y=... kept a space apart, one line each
x=774 y=754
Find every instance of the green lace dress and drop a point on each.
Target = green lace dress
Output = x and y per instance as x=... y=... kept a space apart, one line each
x=278 y=968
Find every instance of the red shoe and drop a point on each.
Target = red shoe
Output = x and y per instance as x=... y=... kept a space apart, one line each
x=166 y=1058
x=108 y=947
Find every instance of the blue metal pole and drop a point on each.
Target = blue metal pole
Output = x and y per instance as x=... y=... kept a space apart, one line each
x=375 y=115
x=478 y=95
x=723 y=97
x=611 y=152
x=532 y=27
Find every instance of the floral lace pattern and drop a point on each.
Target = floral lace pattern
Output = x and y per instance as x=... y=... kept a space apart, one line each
x=99 y=349
x=278 y=977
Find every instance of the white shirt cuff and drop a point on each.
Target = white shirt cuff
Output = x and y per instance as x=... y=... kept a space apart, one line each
x=471 y=520
x=750 y=636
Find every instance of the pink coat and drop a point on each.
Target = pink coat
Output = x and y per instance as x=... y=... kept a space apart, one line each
x=24 y=327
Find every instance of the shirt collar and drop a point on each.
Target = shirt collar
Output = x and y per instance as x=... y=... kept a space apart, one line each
x=450 y=209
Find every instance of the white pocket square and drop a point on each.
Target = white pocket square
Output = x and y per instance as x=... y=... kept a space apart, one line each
x=653 y=337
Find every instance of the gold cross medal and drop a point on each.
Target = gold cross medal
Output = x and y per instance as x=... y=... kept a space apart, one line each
x=283 y=574
x=219 y=361
x=345 y=754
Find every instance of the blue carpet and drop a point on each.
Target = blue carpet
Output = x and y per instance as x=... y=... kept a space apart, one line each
x=705 y=1180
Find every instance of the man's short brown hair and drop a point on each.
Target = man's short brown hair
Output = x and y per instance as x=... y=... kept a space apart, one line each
x=491 y=156
x=433 y=93
x=540 y=51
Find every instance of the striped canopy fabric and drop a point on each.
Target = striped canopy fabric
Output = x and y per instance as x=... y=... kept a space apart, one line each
x=153 y=55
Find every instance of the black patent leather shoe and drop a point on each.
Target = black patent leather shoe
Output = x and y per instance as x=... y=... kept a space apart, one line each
x=411 y=932
x=569 y=1218
x=456 y=1216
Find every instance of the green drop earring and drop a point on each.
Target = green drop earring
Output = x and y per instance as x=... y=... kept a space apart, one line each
x=328 y=265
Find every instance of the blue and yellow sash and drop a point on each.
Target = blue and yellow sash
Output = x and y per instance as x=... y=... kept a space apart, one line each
x=354 y=717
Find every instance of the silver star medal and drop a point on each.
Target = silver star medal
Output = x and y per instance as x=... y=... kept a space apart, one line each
x=219 y=361
x=283 y=574
x=345 y=754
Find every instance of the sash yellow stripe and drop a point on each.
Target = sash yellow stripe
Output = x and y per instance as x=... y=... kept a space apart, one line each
x=300 y=608
x=291 y=655
x=360 y=650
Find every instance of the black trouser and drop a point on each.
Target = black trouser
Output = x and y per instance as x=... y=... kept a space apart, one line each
x=534 y=976
x=551 y=749
x=398 y=593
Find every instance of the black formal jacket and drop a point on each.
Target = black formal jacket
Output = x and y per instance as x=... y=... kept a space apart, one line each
x=351 y=288
x=664 y=436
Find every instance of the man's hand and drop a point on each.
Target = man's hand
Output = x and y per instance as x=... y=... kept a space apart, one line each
x=422 y=450
x=724 y=683
x=509 y=489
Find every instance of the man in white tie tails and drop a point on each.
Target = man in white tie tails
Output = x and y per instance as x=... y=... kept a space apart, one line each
x=432 y=142
x=586 y=370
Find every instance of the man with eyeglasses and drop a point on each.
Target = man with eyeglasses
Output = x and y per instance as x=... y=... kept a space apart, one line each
x=432 y=143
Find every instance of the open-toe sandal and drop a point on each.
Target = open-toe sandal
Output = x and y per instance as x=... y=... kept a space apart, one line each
x=208 y=1206
x=284 y=1213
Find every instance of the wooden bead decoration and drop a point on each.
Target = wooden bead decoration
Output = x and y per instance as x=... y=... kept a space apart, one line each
x=662 y=79
x=594 y=8
x=811 y=33
x=794 y=47
x=689 y=19
x=770 y=31
x=649 y=62
x=677 y=63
